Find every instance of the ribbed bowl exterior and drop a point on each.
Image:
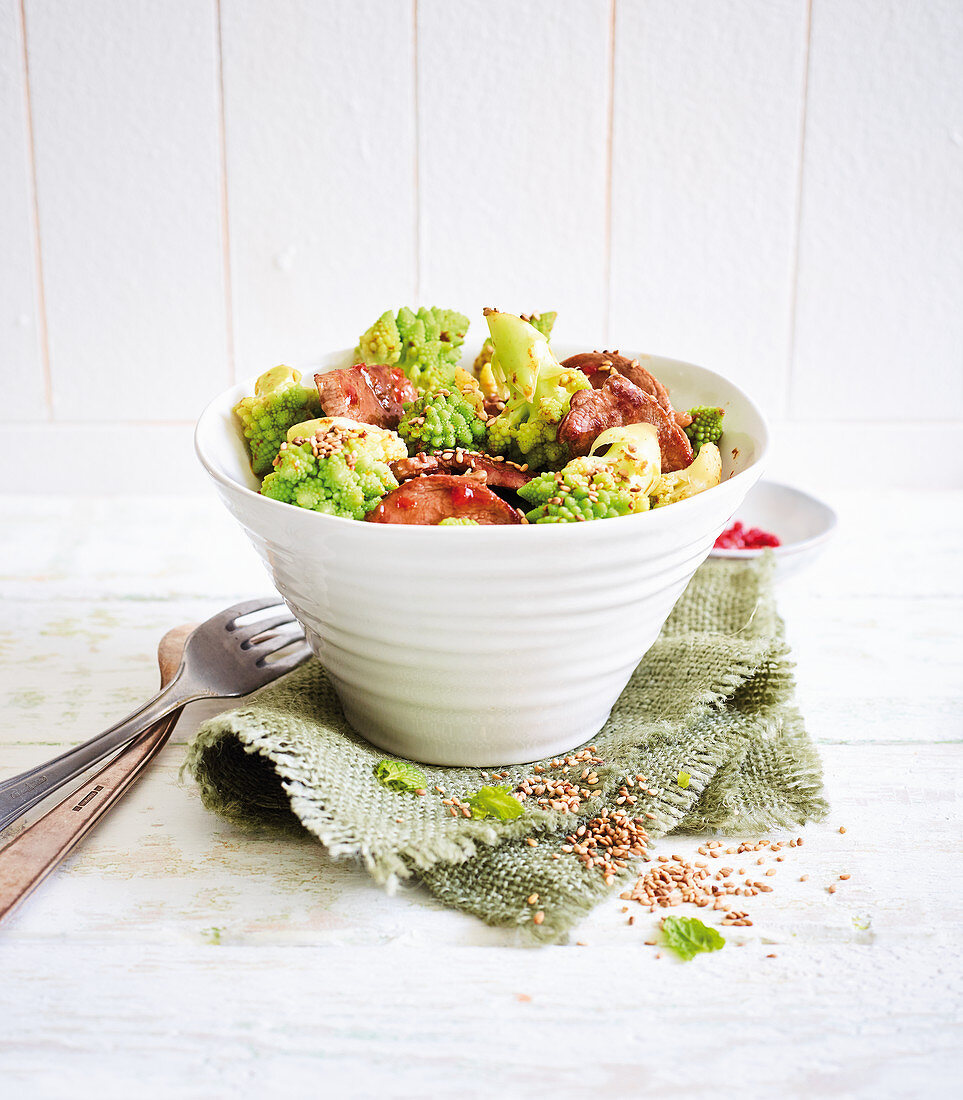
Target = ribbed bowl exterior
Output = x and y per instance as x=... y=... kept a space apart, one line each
x=476 y=646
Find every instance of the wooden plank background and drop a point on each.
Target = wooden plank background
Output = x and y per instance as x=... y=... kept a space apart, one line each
x=192 y=190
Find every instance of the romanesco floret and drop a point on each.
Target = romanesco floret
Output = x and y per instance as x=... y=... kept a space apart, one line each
x=706 y=426
x=341 y=470
x=279 y=400
x=600 y=486
x=456 y=521
x=544 y=322
x=426 y=345
x=540 y=391
x=439 y=422
x=572 y=495
x=467 y=385
x=381 y=343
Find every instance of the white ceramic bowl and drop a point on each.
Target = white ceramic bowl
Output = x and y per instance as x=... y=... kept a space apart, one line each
x=803 y=524
x=485 y=645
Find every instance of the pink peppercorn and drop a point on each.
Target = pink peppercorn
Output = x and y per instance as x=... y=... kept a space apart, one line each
x=737 y=537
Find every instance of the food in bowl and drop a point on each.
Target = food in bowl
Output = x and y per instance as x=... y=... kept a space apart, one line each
x=405 y=435
x=440 y=651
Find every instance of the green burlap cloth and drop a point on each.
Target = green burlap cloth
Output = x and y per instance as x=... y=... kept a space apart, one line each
x=713 y=697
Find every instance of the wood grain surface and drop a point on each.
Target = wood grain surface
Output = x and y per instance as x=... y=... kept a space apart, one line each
x=237 y=963
x=37 y=847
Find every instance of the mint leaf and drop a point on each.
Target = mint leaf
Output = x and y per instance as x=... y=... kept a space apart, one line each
x=399 y=775
x=687 y=936
x=683 y=779
x=494 y=802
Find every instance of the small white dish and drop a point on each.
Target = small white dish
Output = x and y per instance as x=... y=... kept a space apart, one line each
x=802 y=524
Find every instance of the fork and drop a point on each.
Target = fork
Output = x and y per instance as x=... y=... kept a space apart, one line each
x=223 y=658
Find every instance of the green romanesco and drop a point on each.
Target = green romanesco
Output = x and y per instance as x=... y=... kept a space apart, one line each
x=441 y=421
x=341 y=469
x=279 y=400
x=539 y=394
x=600 y=486
x=467 y=385
x=455 y=521
x=544 y=322
x=426 y=345
x=706 y=426
x=381 y=343
x=572 y=495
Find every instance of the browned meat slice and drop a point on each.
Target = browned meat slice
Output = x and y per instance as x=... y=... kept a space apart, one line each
x=430 y=499
x=617 y=403
x=599 y=365
x=373 y=395
x=494 y=472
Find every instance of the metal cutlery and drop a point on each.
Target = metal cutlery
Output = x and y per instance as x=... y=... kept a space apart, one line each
x=227 y=656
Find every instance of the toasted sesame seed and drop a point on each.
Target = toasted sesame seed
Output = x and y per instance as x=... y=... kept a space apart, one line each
x=539 y=917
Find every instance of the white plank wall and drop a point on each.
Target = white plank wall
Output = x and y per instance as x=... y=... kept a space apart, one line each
x=705 y=178
x=513 y=158
x=319 y=104
x=21 y=363
x=881 y=247
x=772 y=188
x=125 y=112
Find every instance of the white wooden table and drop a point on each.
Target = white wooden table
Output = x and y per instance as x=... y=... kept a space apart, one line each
x=175 y=956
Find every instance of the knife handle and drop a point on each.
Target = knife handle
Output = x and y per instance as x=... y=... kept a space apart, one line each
x=32 y=854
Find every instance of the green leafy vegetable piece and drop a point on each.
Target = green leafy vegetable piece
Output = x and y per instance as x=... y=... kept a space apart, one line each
x=688 y=936
x=683 y=779
x=494 y=802
x=399 y=775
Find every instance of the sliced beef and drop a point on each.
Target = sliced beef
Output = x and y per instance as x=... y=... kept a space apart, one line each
x=599 y=365
x=617 y=403
x=494 y=472
x=431 y=498
x=373 y=395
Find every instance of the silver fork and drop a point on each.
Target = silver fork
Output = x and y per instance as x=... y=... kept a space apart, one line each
x=223 y=659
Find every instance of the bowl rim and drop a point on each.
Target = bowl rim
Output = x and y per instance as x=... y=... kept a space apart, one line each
x=786 y=550
x=751 y=473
